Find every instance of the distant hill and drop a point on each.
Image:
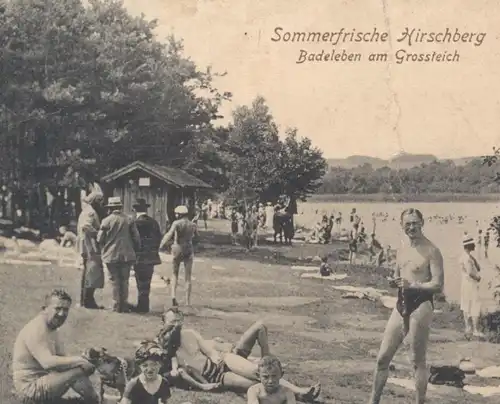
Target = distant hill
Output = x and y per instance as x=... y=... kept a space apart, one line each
x=356 y=161
x=407 y=160
x=465 y=160
x=401 y=160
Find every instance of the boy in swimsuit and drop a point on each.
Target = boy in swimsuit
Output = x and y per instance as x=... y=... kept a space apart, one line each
x=269 y=390
x=418 y=275
x=182 y=233
x=149 y=387
x=68 y=238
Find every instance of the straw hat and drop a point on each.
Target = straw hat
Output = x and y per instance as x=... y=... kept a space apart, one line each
x=468 y=240
x=114 y=202
x=181 y=210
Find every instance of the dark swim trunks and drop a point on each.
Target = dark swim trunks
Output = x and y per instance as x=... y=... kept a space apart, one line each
x=410 y=299
x=213 y=373
x=182 y=253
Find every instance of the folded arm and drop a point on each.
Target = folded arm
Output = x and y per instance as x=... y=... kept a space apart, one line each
x=38 y=346
x=471 y=270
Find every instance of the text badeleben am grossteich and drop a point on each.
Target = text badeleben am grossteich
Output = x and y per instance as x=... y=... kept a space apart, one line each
x=408 y=38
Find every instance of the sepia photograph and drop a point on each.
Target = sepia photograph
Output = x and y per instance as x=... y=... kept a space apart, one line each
x=249 y=202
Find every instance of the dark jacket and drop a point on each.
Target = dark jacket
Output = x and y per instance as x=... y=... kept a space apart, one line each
x=151 y=236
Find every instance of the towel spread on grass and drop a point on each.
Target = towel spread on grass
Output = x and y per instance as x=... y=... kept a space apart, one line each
x=366 y=290
x=332 y=277
x=304 y=268
x=485 y=391
x=489 y=372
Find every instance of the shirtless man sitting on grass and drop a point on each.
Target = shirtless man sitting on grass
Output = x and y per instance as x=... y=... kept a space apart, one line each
x=269 y=390
x=211 y=364
x=42 y=373
x=418 y=275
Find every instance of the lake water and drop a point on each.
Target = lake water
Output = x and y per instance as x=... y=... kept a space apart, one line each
x=447 y=236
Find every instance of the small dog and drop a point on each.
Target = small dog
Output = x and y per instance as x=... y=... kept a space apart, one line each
x=114 y=371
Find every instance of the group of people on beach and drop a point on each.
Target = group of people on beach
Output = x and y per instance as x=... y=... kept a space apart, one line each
x=42 y=373
x=356 y=235
x=121 y=243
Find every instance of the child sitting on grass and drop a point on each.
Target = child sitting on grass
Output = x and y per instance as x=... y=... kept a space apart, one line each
x=269 y=390
x=149 y=387
x=324 y=268
x=68 y=238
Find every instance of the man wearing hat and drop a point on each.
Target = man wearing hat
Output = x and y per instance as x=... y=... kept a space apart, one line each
x=147 y=257
x=119 y=239
x=182 y=232
x=469 y=297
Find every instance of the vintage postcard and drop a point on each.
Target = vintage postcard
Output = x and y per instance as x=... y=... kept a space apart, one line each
x=210 y=201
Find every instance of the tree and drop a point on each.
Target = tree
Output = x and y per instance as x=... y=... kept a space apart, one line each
x=254 y=148
x=263 y=167
x=94 y=78
x=302 y=166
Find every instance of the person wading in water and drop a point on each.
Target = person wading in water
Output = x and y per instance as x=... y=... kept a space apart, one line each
x=418 y=275
x=182 y=232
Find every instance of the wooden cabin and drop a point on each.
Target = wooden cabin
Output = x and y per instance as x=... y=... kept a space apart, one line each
x=162 y=187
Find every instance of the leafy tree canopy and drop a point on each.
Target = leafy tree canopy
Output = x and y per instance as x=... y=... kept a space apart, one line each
x=94 y=79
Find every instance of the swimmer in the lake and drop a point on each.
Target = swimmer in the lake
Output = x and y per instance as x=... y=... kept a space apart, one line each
x=418 y=275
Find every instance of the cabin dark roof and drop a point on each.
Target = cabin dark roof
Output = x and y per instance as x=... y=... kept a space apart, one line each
x=172 y=176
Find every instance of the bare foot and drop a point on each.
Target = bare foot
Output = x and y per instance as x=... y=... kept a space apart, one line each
x=210 y=386
x=311 y=394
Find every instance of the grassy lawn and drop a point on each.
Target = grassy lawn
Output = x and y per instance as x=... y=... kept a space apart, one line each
x=318 y=335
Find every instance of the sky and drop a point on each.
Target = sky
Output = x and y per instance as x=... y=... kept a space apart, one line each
x=449 y=109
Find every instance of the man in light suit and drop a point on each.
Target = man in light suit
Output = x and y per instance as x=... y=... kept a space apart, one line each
x=119 y=239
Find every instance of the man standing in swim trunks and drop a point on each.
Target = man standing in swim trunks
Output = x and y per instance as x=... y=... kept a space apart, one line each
x=418 y=275
x=182 y=232
x=42 y=373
